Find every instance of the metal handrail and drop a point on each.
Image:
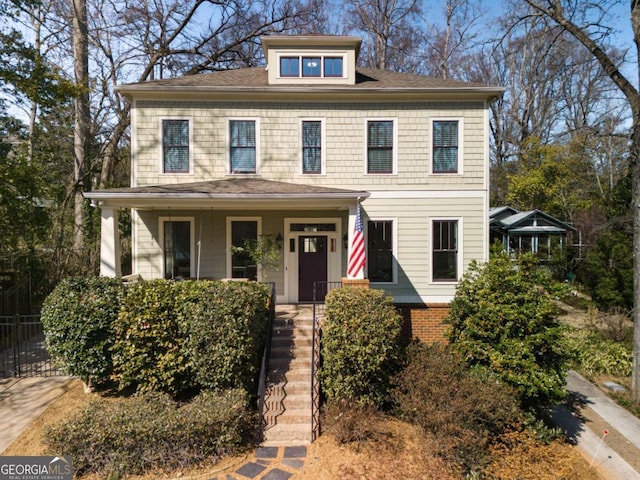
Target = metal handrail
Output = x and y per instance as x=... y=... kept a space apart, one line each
x=266 y=353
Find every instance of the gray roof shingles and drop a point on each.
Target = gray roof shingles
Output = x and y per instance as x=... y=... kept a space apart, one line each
x=233 y=187
x=256 y=77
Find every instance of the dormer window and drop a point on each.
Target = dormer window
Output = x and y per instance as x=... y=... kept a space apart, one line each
x=316 y=66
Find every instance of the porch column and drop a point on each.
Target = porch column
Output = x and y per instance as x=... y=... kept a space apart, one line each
x=109 y=243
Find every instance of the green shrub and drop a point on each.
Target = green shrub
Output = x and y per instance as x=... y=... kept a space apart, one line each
x=503 y=319
x=150 y=332
x=592 y=354
x=227 y=328
x=360 y=345
x=150 y=432
x=466 y=413
x=78 y=319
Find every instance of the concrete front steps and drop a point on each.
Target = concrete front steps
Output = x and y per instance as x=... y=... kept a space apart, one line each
x=288 y=399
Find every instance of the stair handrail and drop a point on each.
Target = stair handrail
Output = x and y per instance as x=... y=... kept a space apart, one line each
x=266 y=352
x=320 y=291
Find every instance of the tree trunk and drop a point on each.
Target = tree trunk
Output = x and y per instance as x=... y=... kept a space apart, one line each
x=82 y=116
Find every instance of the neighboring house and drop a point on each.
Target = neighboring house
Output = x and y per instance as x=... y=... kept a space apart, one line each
x=531 y=231
x=289 y=150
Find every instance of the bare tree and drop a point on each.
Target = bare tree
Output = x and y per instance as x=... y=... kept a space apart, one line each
x=390 y=28
x=82 y=117
x=150 y=39
x=583 y=20
x=449 y=47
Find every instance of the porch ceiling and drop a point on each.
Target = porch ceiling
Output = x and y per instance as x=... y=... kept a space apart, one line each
x=236 y=193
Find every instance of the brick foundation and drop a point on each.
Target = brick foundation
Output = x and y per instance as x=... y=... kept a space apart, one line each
x=355 y=282
x=424 y=322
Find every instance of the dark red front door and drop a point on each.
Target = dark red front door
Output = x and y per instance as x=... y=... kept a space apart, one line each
x=312 y=265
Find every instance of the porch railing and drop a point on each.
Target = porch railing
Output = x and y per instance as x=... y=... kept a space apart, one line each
x=320 y=290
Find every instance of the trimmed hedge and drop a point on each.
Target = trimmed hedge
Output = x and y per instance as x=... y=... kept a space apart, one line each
x=131 y=436
x=150 y=333
x=159 y=335
x=226 y=337
x=360 y=345
x=78 y=318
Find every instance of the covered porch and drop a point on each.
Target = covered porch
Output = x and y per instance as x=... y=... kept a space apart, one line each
x=200 y=230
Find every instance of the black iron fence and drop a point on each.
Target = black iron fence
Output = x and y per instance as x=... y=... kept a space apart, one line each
x=22 y=348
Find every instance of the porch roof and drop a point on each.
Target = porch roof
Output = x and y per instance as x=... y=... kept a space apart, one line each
x=235 y=193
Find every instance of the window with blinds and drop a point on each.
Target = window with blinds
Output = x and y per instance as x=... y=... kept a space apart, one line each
x=312 y=146
x=242 y=146
x=445 y=146
x=175 y=146
x=380 y=146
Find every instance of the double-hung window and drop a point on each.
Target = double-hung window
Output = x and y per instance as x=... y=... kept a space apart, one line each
x=380 y=140
x=243 y=234
x=177 y=247
x=175 y=146
x=446 y=146
x=445 y=250
x=380 y=251
x=312 y=146
x=243 y=146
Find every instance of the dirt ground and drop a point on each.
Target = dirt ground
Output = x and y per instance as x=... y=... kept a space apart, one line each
x=399 y=451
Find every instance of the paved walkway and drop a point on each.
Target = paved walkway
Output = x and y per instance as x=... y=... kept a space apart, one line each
x=24 y=399
x=616 y=453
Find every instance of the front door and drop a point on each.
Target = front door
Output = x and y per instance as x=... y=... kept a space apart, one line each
x=312 y=265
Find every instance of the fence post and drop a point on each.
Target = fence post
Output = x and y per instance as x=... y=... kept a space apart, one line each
x=16 y=345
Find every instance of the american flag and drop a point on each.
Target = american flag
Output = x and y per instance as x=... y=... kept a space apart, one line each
x=356 y=253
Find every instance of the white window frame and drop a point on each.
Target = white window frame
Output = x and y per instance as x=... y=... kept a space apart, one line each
x=228 y=143
x=460 y=158
x=192 y=243
x=394 y=151
x=300 y=55
x=460 y=255
x=229 y=221
x=322 y=146
x=394 y=247
x=161 y=144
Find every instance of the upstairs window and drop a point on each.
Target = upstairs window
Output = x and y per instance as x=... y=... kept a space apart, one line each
x=380 y=146
x=289 y=66
x=175 y=146
x=311 y=147
x=243 y=146
x=445 y=146
x=311 y=66
x=333 y=66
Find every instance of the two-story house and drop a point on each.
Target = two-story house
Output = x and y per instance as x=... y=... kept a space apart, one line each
x=288 y=150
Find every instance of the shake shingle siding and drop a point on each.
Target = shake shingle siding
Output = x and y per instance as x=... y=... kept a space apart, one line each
x=345 y=142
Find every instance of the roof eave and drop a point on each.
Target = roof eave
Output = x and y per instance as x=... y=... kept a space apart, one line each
x=143 y=91
x=225 y=201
